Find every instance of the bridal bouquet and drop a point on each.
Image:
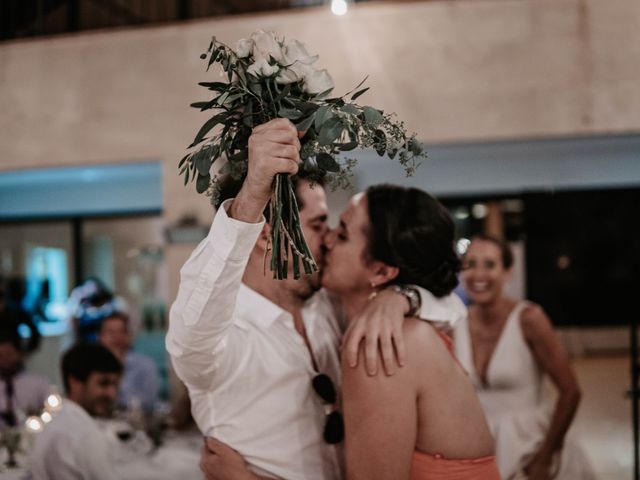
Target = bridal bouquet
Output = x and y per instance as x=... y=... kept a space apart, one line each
x=264 y=78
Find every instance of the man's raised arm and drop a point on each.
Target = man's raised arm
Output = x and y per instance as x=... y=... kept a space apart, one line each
x=203 y=313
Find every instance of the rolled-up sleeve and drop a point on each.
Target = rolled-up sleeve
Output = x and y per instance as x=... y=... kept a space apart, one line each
x=203 y=312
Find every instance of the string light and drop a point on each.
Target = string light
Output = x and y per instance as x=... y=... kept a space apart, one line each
x=53 y=403
x=34 y=424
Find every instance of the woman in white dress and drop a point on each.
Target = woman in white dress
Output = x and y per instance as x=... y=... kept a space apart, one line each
x=507 y=346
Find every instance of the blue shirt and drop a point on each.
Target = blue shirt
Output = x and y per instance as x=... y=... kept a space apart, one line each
x=140 y=380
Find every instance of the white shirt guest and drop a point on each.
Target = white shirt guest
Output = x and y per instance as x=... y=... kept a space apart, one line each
x=72 y=446
x=21 y=392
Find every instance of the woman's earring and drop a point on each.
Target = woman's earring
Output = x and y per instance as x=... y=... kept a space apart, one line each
x=374 y=292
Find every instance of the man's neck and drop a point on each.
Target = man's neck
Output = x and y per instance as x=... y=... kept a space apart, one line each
x=274 y=290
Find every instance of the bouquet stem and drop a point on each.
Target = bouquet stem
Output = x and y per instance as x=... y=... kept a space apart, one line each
x=286 y=232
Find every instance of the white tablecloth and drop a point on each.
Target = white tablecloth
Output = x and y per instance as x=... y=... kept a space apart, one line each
x=177 y=458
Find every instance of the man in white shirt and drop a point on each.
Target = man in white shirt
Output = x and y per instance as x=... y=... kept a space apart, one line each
x=21 y=392
x=247 y=346
x=72 y=446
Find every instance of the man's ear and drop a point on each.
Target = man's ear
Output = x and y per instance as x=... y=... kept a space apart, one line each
x=264 y=240
x=76 y=387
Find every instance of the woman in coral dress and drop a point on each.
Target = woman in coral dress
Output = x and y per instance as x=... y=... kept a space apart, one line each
x=424 y=422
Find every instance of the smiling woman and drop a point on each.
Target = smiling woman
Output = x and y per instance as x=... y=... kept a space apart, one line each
x=506 y=347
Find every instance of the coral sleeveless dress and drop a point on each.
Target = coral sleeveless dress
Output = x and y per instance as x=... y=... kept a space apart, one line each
x=425 y=466
x=512 y=402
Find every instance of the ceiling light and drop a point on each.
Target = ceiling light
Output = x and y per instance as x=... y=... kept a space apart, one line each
x=339 y=7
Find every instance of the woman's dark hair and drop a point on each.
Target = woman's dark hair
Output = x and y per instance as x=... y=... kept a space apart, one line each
x=411 y=230
x=506 y=254
x=83 y=359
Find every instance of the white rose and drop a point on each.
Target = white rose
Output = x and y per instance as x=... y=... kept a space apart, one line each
x=318 y=81
x=266 y=45
x=294 y=73
x=261 y=68
x=294 y=51
x=297 y=61
x=243 y=47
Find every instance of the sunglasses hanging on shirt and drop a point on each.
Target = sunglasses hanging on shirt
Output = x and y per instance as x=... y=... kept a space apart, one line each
x=334 y=424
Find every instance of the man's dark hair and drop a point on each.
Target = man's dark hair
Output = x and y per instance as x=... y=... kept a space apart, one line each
x=83 y=359
x=230 y=187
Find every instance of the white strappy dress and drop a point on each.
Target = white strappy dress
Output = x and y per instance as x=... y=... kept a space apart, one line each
x=511 y=399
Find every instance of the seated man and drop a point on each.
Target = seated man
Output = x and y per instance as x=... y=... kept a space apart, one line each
x=140 y=381
x=20 y=391
x=72 y=446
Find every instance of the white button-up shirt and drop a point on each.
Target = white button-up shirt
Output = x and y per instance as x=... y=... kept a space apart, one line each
x=247 y=369
x=72 y=447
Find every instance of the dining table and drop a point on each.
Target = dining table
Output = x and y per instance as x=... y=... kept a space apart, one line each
x=134 y=456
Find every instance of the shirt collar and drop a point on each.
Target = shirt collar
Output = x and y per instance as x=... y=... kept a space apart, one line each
x=256 y=308
x=444 y=312
x=75 y=408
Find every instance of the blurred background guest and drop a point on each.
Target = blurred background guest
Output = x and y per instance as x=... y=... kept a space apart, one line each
x=89 y=303
x=507 y=347
x=72 y=445
x=14 y=314
x=140 y=383
x=21 y=392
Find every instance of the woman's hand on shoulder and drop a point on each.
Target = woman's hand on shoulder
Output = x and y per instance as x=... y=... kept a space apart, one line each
x=379 y=328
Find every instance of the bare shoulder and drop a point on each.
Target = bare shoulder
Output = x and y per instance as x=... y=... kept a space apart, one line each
x=535 y=322
x=424 y=345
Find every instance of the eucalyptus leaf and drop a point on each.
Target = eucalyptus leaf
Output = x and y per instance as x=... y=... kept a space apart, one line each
x=184 y=159
x=327 y=163
x=351 y=109
x=372 y=116
x=359 y=85
x=202 y=161
x=345 y=147
x=322 y=115
x=209 y=124
x=290 y=113
x=380 y=145
x=415 y=147
x=255 y=87
x=331 y=131
x=202 y=183
x=202 y=105
x=305 y=124
x=358 y=93
x=285 y=91
x=213 y=58
x=307 y=107
x=217 y=86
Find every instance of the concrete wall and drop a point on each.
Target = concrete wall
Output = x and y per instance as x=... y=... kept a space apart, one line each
x=455 y=71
